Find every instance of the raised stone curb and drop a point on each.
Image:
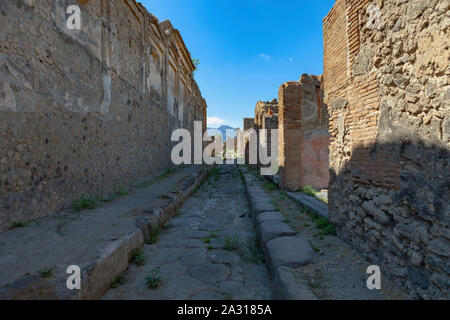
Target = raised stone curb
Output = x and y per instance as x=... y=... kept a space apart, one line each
x=97 y=276
x=273 y=229
x=291 y=252
x=113 y=262
x=282 y=249
x=271 y=216
x=286 y=286
x=260 y=203
x=313 y=204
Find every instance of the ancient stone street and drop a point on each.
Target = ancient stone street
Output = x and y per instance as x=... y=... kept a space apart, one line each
x=242 y=150
x=211 y=250
x=208 y=251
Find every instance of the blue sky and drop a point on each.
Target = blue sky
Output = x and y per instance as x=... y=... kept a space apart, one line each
x=246 y=48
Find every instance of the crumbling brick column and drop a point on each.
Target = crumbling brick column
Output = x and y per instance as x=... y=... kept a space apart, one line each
x=289 y=115
x=303 y=135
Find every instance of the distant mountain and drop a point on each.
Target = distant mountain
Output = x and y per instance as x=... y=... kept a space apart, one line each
x=223 y=129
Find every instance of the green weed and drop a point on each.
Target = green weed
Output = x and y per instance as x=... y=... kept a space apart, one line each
x=18 y=224
x=309 y=191
x=83 y=203
x=120 y=279
x=138 y=257
x=153 y=235
x=232 y=243
x=46 y=273
x=165 y=173
x=154 y=279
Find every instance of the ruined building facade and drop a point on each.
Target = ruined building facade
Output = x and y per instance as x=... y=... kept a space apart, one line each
x=386 y=81
x=303 y=136
x=266 y=114
x=86 y=111
x=266 y=117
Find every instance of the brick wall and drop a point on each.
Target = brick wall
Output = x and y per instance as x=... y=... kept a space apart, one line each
x=387 y=97
x=303 y=136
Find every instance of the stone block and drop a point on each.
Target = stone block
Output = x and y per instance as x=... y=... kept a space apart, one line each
x=286 y=285
x=314 y=204
x=271 y=216
x=274 y=229
x=291 y=252
x=260 y=203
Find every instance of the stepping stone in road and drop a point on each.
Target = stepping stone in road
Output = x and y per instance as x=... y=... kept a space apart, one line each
x=269 y=216
x=274 y=229
x=260 y=203
x=291 y=252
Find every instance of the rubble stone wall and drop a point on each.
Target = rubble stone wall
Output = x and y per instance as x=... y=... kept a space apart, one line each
x=387 y=89
x=84 y=111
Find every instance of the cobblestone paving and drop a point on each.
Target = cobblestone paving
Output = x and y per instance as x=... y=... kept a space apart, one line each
x=208 y=251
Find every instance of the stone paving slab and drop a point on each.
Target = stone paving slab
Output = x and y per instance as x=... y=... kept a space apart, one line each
x=73 y=238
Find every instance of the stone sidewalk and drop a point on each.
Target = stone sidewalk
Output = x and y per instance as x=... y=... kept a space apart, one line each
x=35 y=257
x=305 y=258
x=208 y=251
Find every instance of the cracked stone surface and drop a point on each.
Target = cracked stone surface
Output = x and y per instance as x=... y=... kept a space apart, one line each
x=208 y=251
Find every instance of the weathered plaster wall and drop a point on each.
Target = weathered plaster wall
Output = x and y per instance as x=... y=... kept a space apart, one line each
x=84 y=110
x=303 y=136
x=387 y=90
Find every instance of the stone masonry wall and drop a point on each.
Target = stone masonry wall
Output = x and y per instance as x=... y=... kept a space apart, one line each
x=303 y=136
x=387 y=89
x=264 y=109
x=84 y=111
x=266 y=117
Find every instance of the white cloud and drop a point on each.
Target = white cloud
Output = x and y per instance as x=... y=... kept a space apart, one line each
x=214 y=121
x=264 y=56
